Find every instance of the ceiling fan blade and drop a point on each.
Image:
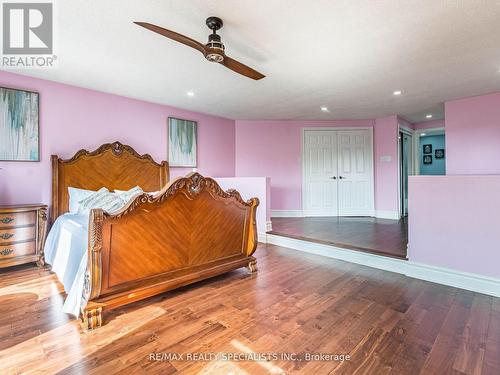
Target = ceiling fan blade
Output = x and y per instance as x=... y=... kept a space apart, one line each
x=240 y=68
x=174 y=36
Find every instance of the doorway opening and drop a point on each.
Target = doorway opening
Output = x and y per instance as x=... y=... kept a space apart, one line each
x=430 y=152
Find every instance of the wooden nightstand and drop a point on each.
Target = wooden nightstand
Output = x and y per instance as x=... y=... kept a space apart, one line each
x=22 y=234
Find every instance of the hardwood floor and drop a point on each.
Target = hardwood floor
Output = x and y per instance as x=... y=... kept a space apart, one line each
x=296 y=302
x=377 y=236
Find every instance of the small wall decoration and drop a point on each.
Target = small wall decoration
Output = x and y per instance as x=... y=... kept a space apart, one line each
x=19 y=127
x=182 y=142
x=427 y=149
x=439 y=153
x=427 y=159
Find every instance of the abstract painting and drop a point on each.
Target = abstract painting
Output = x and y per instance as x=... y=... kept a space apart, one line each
x=19 y=138
x=181 y=142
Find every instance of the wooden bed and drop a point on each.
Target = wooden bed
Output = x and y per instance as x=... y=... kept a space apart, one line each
x=190 y=231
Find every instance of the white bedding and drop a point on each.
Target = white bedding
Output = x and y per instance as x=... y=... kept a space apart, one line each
x=66 y=250
x=67 y=243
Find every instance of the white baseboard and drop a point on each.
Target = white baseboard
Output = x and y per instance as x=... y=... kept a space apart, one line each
x=269 y=226
x=457 y=279
x=287 y=213
x=262 y=237
x=376 y=261
x=393 y=215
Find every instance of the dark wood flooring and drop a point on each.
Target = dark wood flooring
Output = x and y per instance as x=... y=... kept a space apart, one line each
x=378 y=236
x=295 y=303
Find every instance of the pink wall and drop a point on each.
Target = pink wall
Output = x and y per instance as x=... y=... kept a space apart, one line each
x=429 y=124
x=72 y=118
x=473 y=135
x=385 y=143
x=273 y=149
x=453 y=223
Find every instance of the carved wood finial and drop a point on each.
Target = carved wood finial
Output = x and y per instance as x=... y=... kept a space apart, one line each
x=117 y=148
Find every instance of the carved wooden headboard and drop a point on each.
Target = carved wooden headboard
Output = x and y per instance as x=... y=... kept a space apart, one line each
x=113 y=165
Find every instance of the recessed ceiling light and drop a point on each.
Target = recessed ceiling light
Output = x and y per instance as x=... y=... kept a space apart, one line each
x=324 y=109
x=397 y=92
x=422 y=134
x=190 y=93
x=428 y=116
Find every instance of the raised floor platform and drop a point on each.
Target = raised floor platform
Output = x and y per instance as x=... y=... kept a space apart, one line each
x=367 y=234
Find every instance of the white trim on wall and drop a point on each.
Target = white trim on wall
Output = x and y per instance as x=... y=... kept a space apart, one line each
x=380 y=214
x=262 y=237
x=393 y=215
x=287 y=213
x=352 y=128
x=457 y=279
x=269 y=226
x=411 y=133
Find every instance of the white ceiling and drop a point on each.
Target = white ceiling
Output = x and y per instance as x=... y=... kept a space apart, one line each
x=348 y=55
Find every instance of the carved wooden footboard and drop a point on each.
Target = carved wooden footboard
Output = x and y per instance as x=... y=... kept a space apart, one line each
x=192 y=231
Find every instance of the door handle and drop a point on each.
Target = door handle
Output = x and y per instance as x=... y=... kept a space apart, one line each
x=342 y=177
x=333 y=177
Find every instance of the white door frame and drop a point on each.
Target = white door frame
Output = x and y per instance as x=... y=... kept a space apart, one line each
x=416 y=145
x=372 y=187
x=410 y=132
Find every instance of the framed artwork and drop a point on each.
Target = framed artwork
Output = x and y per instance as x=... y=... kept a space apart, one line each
x=427 y=149
x=182 y=142
x=427 y=159
x=19 y=125
x=439 y=153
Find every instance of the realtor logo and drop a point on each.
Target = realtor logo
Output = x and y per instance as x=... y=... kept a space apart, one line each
x=28 y=35
x=27 y=29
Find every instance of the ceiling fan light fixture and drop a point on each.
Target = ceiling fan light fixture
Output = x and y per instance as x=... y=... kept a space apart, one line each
x=215 y=57
x=215 y=46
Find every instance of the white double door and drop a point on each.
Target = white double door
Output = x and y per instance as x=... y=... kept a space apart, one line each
x=338 y=173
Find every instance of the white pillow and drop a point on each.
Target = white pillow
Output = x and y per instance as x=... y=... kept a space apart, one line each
x=119 y=192
x=102 y=198
x=127 y=195
x=75 y=196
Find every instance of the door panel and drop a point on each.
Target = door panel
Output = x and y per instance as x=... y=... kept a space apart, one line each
x=320 y=168
x=355 y=189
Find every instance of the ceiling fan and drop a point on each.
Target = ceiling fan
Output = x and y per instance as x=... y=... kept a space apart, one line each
x=213 y=50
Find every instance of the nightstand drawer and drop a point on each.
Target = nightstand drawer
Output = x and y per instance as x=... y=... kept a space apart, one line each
x=17 y=234
x=14 y=219
x=20 y=249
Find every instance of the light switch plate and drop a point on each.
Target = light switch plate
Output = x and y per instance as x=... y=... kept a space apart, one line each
x=386 y=158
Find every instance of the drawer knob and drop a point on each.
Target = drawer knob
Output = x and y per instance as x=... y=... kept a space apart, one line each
x=6 y=236
x=7 y=220
x=6 y=252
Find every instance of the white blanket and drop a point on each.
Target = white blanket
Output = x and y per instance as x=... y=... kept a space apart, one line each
x=66 y=250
